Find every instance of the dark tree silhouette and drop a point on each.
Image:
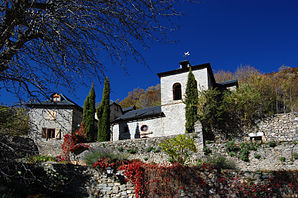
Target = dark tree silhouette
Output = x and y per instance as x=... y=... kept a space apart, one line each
x=59 y=42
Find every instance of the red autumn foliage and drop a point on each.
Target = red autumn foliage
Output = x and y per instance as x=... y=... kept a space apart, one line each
x=72 y=143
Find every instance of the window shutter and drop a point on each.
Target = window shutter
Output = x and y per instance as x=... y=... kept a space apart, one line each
x=43 y=133
x=58 y=133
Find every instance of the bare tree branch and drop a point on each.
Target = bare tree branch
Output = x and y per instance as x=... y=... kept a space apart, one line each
x=60 y=42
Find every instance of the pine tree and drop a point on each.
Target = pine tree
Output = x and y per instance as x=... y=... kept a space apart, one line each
x=88 y=115
x=103 y=114
x=191 y=102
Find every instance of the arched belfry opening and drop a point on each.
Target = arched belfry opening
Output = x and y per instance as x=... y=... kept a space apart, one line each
x=177 y=95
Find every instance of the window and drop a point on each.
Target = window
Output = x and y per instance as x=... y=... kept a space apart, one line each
x=144 y=128
x=48 y=133
x=56 y=98
x=51 y=114
x=177 y=91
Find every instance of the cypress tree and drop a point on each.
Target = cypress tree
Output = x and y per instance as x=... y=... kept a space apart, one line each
x=191 y=102
x=85 y=113
x=88 y=115
x=103 y=114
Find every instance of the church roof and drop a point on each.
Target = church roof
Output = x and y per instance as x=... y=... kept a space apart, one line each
x=141 y=114
x=125 y=110
x=228 y=83
x=193 y=68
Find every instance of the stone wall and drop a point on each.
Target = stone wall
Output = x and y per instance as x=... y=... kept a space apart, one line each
x=83 y=181
x=279 y=127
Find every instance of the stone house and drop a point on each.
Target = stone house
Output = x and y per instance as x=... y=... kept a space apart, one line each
x=168 y=118
x=50 y=120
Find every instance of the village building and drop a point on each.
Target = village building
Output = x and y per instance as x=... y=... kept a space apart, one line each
x=52 y=119
x=168 y=118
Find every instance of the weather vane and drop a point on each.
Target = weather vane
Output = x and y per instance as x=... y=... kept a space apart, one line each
x=186 y=54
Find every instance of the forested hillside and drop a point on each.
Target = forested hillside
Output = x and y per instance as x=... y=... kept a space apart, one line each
x=142 y=98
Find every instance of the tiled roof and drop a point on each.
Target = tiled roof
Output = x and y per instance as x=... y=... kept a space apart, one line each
x=141 y=114
x=193 y=68
x=65 y=101
x=129 y=109
x=228 y=83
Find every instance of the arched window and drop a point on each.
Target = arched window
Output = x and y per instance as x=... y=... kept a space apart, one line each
x=177 y=91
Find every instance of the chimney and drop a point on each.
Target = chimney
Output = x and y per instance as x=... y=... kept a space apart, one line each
x=184 y=64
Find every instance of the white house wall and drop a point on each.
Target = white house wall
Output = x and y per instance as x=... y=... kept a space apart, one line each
x=120 y=132
x=167 y=82
x=174 y=110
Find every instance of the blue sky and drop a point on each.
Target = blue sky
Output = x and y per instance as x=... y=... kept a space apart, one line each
x=226 y=33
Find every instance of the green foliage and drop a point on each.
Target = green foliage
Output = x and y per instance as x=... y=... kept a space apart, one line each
x=88 y=115
x=244 y=152
x=241 y=151
x=40 y=158
x=210 y=108
x=14 y=120
x=93 y=156
x=132 y=150
x=294 y=142
x=282 y=159
x=257 y=156
x=232 y=154
x=156 y=150
x=103 y=114
x=191 y=102
x=179 y=148
x=295 y=156
x=120 y=149
x=231 y=146
x=278 y=90
x=207 y=150
x=272 y=144
x=146 y=158
x=149 y=149
x=220 y=162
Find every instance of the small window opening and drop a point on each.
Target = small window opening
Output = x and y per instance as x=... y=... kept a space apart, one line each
x=177 y=91
x=144 y=128
x=56 y=98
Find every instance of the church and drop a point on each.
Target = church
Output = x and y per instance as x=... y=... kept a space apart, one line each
x=52 y=119
x=168 y=118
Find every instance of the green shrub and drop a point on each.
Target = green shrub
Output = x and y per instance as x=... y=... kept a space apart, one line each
x=220 y=162
x=179 y=148
x=149 y=149
x=272 y=144
x=120 y=149
x=257 y=156
x=232 y=154
x=40 y=158
x=156 y=150
x=171 y=160
x=253 y=146
x=282 y=159
x=93 y=156
x=208 y=142
x=132 y=150
x=231 y=146
x=295 y=156
x=294 y=142
x=146 y=158
x=244 y=154
x=207 y=150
